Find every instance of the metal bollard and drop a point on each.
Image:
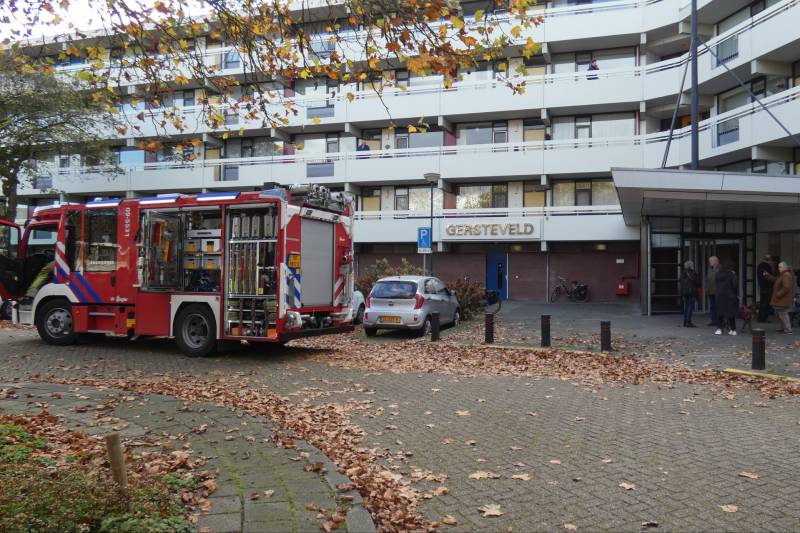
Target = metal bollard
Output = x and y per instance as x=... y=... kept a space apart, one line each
x=759 y=350
x=545 y=331
x=605 y=336
x=488 y=321
x=435 y=323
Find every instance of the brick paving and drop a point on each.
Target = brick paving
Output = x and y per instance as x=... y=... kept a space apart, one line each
x=659 y=336
x=680 y=447
x=238 y=447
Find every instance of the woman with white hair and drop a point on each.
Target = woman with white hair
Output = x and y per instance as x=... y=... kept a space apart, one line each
x=782 y=296
x=690 y=284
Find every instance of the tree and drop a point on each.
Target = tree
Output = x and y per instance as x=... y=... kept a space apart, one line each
x=42 y=116
x=155 y=43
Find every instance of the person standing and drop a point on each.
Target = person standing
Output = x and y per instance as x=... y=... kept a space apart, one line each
x=690 y=283
x=727 y=293
x=783 y=296
x=711 y=277
x=766 y=273
x=592 y=67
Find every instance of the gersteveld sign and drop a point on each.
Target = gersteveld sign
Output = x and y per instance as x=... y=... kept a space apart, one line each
x=493 y=229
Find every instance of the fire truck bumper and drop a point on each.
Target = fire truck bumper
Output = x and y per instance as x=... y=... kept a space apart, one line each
x=314 y=332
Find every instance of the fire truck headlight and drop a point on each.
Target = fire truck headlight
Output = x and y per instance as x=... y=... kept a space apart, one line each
x=293 y=319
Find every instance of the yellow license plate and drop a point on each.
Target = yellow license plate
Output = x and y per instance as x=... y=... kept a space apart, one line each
x=294 y=261
x=390 y=319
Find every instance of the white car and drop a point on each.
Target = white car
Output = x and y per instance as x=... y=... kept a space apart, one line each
x=357 y=302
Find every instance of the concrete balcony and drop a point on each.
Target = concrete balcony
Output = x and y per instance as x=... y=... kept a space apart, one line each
x=584 y=223
x=722 y=139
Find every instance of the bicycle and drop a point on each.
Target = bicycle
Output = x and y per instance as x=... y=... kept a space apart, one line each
x=579 y=292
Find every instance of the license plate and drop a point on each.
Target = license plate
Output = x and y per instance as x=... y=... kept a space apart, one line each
x=390 y=319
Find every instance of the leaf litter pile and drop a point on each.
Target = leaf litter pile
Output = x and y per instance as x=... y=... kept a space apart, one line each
x=388 y=496
x=40 y=446
x=589 y=368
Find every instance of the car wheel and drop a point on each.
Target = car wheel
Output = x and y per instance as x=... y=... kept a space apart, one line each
x=54 y=323
x=371 y=332
x=425 y=330
x=457 y=317
x=195 y=331
x=359 y=315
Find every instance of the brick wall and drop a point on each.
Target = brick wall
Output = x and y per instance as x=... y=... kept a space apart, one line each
x=599 y=270
x=527 y=275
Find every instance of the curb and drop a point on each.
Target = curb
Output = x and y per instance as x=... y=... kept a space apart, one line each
x=759 y=374
x=358 y=519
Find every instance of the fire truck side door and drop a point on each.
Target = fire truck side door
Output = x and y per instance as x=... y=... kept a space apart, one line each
x=10 y=263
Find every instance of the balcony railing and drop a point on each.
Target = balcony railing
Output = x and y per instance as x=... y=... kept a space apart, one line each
x=723 y=123
x=490 y=212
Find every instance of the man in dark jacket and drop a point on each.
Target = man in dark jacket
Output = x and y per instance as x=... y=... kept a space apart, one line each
x=727 y=287
x=766 y=275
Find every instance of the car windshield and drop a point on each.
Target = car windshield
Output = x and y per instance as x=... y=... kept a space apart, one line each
x=394 y=289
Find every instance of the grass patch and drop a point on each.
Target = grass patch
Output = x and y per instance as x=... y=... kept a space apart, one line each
x=42 y=490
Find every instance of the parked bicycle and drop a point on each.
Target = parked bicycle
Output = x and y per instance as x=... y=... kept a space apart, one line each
x=579 y=292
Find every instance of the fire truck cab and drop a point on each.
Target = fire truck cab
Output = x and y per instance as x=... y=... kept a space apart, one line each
x=266 y=266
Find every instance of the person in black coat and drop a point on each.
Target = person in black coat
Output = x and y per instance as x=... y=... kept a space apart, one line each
x=690 y=283
x=727 y=287
x=766 y=272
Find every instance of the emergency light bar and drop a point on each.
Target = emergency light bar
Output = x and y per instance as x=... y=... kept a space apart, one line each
x=166 y=199
x=212 y=196
x=111 y=202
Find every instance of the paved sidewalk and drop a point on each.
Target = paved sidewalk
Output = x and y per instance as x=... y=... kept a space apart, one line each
x=679 y=449
x=238 y=447
x=577 y=325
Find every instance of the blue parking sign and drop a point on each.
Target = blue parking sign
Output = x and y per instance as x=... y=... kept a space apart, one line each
x=424 y=240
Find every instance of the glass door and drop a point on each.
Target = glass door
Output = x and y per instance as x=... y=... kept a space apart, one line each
x=729 y=253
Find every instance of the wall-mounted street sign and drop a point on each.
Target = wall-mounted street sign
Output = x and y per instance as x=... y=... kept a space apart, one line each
x=424 y=240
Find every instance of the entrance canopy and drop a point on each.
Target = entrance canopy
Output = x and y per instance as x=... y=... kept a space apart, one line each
x=693 y=193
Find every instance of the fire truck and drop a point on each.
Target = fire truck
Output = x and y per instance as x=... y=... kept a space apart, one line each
x=206 y=269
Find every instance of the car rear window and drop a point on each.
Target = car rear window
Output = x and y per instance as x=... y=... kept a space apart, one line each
x=394 y=289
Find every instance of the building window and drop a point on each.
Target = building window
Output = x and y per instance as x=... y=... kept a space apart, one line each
x=583 y=127
x=331 y=143
x=482 y=196
x=533 y=129
x=584 y=193
x=532 y=195
x=371 y=199
x=188 y=98
x=372 y=138
x=500 y=132
x=401 y=198
x=101 y=240
x=63 y=161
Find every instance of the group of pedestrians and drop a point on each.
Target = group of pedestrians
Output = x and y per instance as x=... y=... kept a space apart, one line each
x=776 y=285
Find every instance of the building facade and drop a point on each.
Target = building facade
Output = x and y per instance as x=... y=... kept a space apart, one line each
x=519 y=190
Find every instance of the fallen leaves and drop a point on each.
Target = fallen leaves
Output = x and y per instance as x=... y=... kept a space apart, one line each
x=462 y=413
x=729 y=508
x=570 y=527
x=748 y=475
x=627 y=486
x=481 y=474
x=554 y=462
x=491 y=509
x=521 y=477
x=449 y=520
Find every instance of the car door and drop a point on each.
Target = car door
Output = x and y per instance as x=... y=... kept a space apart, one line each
x=432 y=300
x=9 y=261
x=448 y=307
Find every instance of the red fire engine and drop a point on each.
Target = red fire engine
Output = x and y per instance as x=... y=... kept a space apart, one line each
x=266 y=266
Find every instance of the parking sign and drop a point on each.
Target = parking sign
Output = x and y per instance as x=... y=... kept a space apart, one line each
x=424 y=240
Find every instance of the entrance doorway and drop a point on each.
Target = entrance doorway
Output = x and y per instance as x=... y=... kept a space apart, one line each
x=497 y=273
x=729 y=252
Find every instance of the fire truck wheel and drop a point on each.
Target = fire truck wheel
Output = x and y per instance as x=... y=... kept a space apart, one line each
x=195 y=331
x=54 y=323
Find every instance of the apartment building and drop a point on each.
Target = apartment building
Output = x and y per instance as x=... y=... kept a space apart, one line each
x=521 y=184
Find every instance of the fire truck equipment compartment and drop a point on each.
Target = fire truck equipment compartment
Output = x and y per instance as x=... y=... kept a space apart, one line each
x=316 y=258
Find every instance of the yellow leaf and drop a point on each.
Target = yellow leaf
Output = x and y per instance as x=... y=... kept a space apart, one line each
x=457 y=22
x=748 y=475
x=350 y=97
x=730 y=508
x=226 y=135
x=315 y=120
x=411 y=129
x=479 y=15
x=516 y=31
